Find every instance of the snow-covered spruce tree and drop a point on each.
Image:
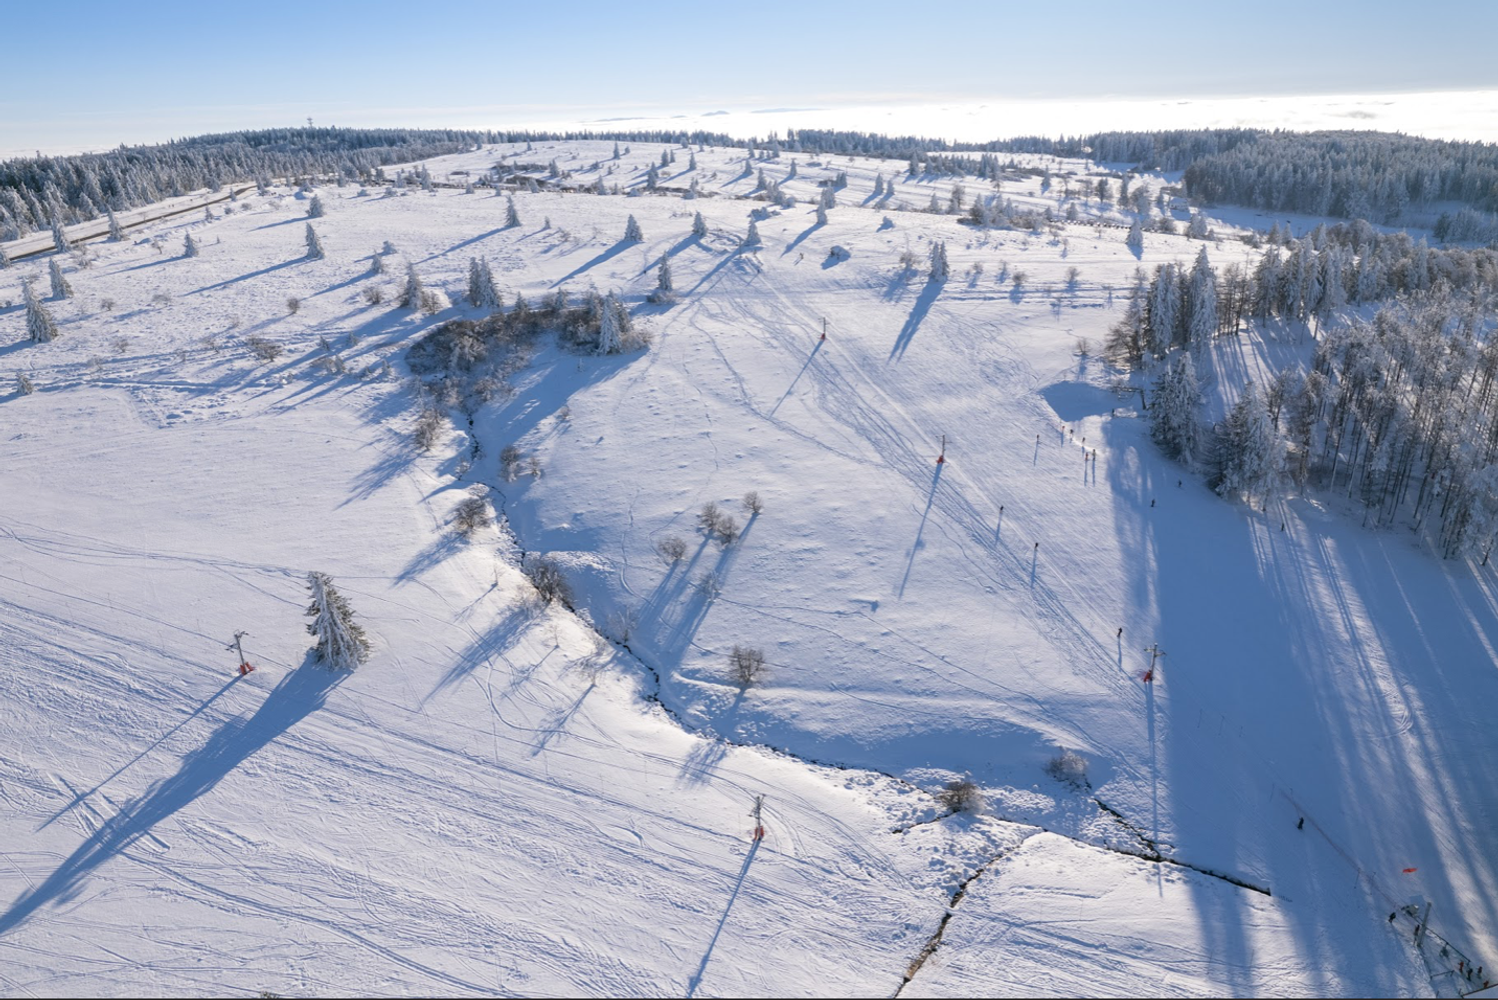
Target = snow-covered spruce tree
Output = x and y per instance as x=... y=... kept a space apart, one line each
x=410 y=297
x=189 y=246
x=314 y=245
x=1201 y=303
x=1246 y=447
x=610 y=333
x=40 y=326
x=116 y=234
x=512 y=217
x=4 y=259
x=665 y=289
x=1175 y=411
x=315 y=208
x=821 y=214
x=1164 y=311
x=341 y=643
x=1127 y=340
x=482 y=291
x=699 y=226
x=940 y=269
x=59 y=237
x=60 y=287
x=24 y=385
x=1135 y=240
x=632 y=233
x=751 y=239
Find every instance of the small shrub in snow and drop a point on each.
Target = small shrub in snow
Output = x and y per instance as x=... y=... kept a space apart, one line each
x=428 y=428
x=961 y=795
x=293 y=304
x=709 y=584
x=24 y=385
x=672 y=548
x=1069 y=768
x=726 y=527
x=622 y=623
x=470 y=515
x=753 y=503
x=432 y=302
x=264 y=350
x=746 y=664
x=707 y=518
x=374 y=294
x=546 y=576
x=509 y=463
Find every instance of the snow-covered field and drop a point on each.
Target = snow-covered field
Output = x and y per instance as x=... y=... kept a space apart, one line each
x=504 y=801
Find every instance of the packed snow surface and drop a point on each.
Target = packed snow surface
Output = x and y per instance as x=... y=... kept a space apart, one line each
x=505 y=799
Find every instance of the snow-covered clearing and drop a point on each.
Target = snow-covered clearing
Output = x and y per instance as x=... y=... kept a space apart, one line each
x=497 y=802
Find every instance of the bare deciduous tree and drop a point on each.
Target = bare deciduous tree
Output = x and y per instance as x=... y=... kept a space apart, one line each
x=752 y=502
x=961 y=795
x=746 y=664
x=672 y=548
x=546 y=576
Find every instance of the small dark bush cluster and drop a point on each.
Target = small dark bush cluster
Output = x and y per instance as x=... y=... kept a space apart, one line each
x=1069 y=768
x=546 y=576
x=961 y=795
x=264 y=350
x=746 y=664
x=471 y=514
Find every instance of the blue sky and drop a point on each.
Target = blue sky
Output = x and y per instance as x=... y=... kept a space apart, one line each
x=150 y=71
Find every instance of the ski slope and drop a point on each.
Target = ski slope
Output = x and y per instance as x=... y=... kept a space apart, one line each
x=502 y=800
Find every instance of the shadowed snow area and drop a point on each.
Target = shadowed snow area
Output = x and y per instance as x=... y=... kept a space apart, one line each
x=511 y=797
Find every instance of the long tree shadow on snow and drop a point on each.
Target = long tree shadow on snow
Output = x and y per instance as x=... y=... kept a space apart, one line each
x=297 y=696
x=607 y=255
x=1317 y=660
x=913 y=321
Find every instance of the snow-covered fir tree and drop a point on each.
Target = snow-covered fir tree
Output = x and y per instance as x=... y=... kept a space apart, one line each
x=410 y=297
x=940 y=269
x=315 y=208
x=482 y=292
x=1135 y=240
x=632 y=233
x=1128 y=340
x=512 y=217
x=341 y=642
x=699 y=226
x=60 y=287
x=1201 y=303
x=610 y=334
x=59 y=237
x=1164 y=312
x=1246 y=447
x=189 y=246
x=1196 y=229
x=40 y=326
x=821 y=214
x=1175 y=411
x=314 y=244
x=4 y=259
x=116 y=234
x=751 y=239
